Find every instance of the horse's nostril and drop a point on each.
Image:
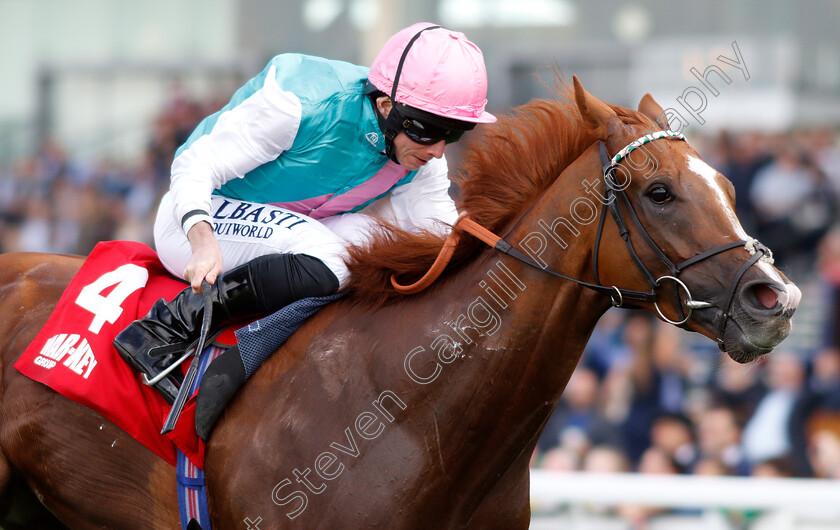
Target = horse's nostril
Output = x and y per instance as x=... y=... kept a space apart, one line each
x=766 y=296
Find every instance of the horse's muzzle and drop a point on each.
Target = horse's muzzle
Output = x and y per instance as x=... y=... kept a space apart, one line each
x=759 y=318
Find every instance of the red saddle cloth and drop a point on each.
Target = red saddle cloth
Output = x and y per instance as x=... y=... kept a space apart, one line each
x=73 y=353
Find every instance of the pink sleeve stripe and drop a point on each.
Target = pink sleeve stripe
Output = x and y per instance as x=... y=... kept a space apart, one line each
x=331 y=204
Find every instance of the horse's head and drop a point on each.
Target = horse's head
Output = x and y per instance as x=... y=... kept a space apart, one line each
x=708 y=274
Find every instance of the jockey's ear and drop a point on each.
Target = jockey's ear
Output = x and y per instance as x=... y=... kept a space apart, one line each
x=383 y=103
x=600 y=117
x=650 y=108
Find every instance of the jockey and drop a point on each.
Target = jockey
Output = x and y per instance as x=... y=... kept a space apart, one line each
x=263 y=193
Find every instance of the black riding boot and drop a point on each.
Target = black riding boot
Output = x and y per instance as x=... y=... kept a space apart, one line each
x=256 y=288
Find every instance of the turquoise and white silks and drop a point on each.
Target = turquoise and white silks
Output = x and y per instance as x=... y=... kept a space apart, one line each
x=300 y=136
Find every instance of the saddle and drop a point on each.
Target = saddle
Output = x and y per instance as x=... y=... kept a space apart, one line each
x=73 y=353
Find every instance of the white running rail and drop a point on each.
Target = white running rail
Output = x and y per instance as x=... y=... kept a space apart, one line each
x=684 y=491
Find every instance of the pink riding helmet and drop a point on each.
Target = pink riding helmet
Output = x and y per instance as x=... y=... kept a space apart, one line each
x=442 y=73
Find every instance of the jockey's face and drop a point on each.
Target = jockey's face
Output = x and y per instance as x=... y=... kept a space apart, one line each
x=411 y=155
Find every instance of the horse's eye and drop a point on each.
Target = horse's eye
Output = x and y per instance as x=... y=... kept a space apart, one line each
x=659 y=195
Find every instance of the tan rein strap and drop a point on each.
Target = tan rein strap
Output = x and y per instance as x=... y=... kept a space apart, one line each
x=467 y=225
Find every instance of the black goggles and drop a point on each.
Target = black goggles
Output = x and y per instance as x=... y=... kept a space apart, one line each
x=424 y=133
x=427 y=134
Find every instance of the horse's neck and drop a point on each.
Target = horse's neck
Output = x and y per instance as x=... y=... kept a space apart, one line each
x=482 y=358
x=516 y=370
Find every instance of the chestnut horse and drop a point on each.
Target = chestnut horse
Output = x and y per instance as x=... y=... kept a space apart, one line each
x=422 y=411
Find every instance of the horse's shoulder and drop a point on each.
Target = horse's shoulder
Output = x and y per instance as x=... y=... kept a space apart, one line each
x=34 y=270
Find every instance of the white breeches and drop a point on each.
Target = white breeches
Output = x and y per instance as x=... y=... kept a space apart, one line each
x=247 y=230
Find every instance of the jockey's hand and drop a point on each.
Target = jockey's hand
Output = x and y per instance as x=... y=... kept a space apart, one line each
x=206 y=260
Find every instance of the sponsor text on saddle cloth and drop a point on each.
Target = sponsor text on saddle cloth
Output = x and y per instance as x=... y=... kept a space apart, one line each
x=73 y=354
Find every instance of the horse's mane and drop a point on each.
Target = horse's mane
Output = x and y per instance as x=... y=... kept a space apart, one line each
x=504 y=169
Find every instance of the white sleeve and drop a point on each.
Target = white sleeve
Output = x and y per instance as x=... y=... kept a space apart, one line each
x=425 y=201
x=254 y=132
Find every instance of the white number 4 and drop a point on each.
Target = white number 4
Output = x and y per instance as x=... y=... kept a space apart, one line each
x=127 y=279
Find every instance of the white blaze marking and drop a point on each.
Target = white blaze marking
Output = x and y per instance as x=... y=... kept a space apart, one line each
x=709 y=175
x=788 y=299
x=795 y=293
x=769 y=270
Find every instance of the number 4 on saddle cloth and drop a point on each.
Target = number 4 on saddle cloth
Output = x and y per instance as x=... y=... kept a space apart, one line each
x=73 y=353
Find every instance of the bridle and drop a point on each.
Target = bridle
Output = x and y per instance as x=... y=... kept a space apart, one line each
x=615 y=197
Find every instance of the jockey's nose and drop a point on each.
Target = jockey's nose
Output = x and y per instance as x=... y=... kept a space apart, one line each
x=436 y=150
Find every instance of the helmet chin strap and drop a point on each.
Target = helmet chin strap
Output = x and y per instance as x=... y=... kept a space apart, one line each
x=390 y=127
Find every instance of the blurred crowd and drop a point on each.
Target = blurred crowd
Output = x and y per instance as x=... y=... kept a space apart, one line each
x=50 y=202
x=644 y=398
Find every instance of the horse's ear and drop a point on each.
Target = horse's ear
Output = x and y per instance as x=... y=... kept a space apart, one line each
x=600 y=118
x=650 y=108
x=596 y=114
